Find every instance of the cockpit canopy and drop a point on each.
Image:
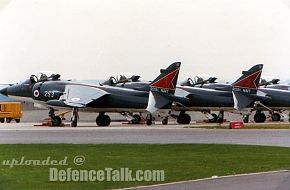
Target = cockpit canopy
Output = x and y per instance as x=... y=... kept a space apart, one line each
x=199 y=80
x=122 y=78
x=44 y=76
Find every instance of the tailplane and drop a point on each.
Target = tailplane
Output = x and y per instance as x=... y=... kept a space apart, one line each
x=162 y=89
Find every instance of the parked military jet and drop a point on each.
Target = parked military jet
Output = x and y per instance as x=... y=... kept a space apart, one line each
x=230 y=97
x=53 y=92
x=276 y=98
x=274 y=83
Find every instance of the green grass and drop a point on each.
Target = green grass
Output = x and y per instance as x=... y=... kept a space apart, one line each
x=180 y=162
x=247 y=126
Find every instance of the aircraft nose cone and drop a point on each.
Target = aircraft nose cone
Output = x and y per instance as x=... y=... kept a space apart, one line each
x=4 y=91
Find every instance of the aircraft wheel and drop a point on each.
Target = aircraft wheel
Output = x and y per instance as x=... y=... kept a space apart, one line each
x=56 y=121
x=137 y=119
x=74 y=124
x=149 y=119
x=214 y=119
x=246 y=118
x=220 y=117
x=259 y=117
x=2 y=120
x=165 y=121
x=103 y=120
x=8 y=120
x=276 y=117
x=17 y=120
x=183 y=119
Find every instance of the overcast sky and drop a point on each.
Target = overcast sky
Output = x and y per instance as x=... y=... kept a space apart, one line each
x=93 y=39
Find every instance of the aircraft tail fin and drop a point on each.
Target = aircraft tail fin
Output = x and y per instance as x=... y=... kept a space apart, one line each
x=246 y=86
x=162 y=89
x=250 y=79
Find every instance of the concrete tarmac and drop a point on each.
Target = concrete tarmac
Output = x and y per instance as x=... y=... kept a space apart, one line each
x=262 y=181
x=87 y=133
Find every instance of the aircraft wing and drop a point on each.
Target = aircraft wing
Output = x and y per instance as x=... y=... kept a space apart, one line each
x=78 y=96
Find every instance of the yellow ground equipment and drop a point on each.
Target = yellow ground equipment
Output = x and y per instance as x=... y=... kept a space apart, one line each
x=10 y=111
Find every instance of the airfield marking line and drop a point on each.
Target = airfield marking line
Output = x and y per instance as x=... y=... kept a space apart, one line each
x=205 y=179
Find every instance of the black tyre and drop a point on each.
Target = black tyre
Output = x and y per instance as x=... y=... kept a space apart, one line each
x=74 y=121
x=2 y=120
x=276 y=117
x=183 y=119
x=17 y=120
x=8 y=120
x=74 y=124
x=149 y=119
x=246 y=118
x=56 y=121
x=107 y=120
x=214 y=119
x=103 y=120
x=165 y=121
x=220 y=117
x=259 y=117
x=137 y=119
x=148 y=122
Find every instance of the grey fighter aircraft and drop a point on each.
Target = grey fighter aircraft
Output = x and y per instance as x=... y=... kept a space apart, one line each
x=242 y=95
x=54 y=92
x=237 y=96
x=274 y=97
x=274 y=83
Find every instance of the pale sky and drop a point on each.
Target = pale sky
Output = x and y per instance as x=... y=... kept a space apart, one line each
x=94 y=39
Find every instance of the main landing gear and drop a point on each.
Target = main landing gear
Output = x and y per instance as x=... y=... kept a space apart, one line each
x=103 y=120
x=183 y=118
x=137 y=119
x=55 y=120
x=214 y=118
x=149 y=120
x=259 y=117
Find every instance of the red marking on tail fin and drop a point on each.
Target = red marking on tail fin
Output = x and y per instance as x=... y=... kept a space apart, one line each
x=166 y=81
x=249 y=81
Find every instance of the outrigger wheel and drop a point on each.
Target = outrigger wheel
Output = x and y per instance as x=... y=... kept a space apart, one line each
x=74 y=118
x=149 y=119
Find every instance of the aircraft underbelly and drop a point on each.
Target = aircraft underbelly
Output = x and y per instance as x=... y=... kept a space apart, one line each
x=210 y=101
x=277 y=101
x=120 y=102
